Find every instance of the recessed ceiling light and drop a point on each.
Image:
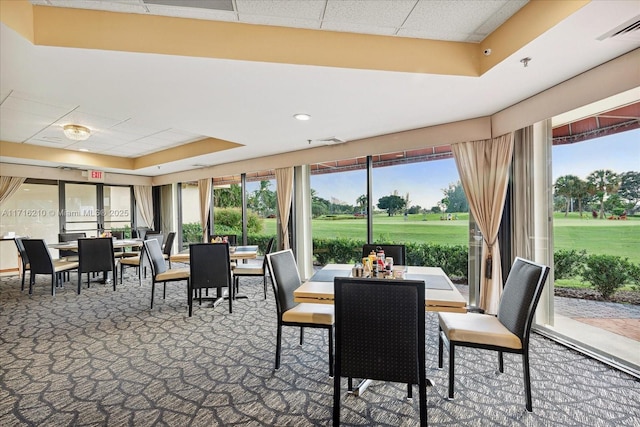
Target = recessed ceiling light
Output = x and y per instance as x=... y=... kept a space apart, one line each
x=302 y=116
x=83 y=149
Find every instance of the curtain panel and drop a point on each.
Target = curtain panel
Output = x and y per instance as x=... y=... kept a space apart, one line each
x=144 y=201
x=484 y=172
x=284 y=185
x=522 y=243
x=204 y=194
x=8 y=186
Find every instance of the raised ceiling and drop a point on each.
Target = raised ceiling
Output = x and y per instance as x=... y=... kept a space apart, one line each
x=183 y=87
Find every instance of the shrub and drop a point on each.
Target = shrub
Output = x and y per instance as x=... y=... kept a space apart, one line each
x=568 y=263
x=606 y=273
x=229 y=221
x=191 y=232
x=452 y=259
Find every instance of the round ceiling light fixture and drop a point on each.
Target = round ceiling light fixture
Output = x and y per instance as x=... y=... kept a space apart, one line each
x=302 y=116
x=76 y=132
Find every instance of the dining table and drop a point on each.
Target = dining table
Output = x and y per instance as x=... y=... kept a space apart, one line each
x=72 y=245
x=236 y=253
x=440 y=293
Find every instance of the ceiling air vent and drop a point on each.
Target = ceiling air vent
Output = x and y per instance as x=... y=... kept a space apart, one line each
x=629 y=31
x=226 y=5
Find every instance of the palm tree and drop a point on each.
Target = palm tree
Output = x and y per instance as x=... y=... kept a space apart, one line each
x=603 y=182
x=362 y=201
x=566 y=186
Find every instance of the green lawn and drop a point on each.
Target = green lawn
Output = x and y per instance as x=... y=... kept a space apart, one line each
x=596 y=236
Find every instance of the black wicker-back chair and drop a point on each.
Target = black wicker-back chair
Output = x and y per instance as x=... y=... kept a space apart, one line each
x=508 y=332
x=68 y=255
x=380 y=334
x=254 y=270
x=397 y=252
x=40 y=262
x=285 y=279
x=95 y=256
x=209 y=268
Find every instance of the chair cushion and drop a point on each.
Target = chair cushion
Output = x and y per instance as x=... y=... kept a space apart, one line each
x=61 y=265
x=173 y=274
x=248 y=270
x=478 y=329
x=133 y=260
x=321 y=314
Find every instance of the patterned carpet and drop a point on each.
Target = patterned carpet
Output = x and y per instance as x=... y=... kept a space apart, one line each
x=105 y=359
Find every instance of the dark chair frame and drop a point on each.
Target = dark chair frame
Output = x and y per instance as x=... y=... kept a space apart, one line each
x=516 y=311
x=210 y=267
x=282 y=265
x=237 y=272
x=380 y=334
x=397 y=252
x=167 y=246
x=24 y=259
x=40 y=262
x=158 y=266
x=95 y=255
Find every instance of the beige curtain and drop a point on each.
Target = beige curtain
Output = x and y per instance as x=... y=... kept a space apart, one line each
x=484 y=172
x=204 y=193
x=8 y=186
x=284 y=185
x=144 y=201
x=522 y=243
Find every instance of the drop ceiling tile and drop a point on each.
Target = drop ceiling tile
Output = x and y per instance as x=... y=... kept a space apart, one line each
x=177 y=136
x=18 y=126
x=358 y=28
x=132 y=6
x=90 y=120
x=193 y=13
x=384 y=13
x=450 y=20
x=300 y=9
x=501 y=15
x=47 y=111
x=280 y=22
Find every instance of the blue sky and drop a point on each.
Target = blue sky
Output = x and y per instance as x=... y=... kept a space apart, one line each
x=425 y=181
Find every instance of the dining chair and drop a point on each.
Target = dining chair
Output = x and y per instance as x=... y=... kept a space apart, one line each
x=137 y=259
x=397 y=252
x=209 y=268
x=508 y=332
x=284 y=280
x=380 y=335
x=118 y=252
x=167 y=246
x=40 y=262
x=253 y=270
x=95 y=256
x=159 y=270
x=69 y=237
x=24 y=259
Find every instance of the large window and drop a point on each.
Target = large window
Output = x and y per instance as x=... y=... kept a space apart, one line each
x=419 y=202
x=339 y=204
x=596 y=228
x=32 y=211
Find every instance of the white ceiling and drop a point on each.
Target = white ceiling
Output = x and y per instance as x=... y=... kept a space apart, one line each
x=137 y=103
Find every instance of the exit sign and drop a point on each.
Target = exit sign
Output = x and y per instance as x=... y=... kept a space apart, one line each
x=95 y=176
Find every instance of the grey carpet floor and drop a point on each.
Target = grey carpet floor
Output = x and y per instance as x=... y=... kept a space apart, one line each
x=104 y=358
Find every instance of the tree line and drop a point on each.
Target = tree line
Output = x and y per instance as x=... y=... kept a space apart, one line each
x=602 y=191
x=263 y=201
